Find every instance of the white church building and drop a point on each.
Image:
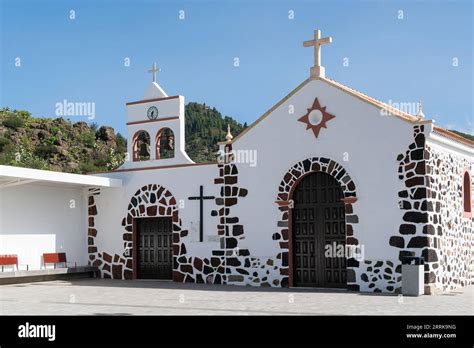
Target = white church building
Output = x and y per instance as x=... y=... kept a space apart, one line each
x=329 y=188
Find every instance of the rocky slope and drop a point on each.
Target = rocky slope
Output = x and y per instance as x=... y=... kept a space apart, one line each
x=57 y=144
x=60 y=145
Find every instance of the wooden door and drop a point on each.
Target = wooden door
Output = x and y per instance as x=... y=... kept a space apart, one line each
x=318 y=220
x=155 y=253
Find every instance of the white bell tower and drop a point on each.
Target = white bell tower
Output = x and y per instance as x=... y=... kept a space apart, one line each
x=155 y=127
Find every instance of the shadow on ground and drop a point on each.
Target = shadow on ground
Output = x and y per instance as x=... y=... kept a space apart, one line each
x=170 y=285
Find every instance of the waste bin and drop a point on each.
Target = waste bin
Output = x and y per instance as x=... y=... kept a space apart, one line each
x=413 y=276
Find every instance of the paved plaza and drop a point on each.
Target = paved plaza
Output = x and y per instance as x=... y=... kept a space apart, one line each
x=118 y=297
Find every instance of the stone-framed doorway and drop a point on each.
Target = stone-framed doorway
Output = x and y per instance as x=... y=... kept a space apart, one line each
x=285 y=204
x=150 y=201
x=318 y=229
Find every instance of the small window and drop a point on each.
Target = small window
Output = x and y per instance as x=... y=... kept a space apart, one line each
x=466 y=191
x=164 y=144
x=141 y=146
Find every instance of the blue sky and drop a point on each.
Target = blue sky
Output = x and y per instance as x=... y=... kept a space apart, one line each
x=83 y=59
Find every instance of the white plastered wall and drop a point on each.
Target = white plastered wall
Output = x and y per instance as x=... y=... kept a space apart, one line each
x=37 y=219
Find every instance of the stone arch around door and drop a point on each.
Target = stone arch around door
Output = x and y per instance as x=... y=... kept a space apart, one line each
x=285 y=204
x=151 y=201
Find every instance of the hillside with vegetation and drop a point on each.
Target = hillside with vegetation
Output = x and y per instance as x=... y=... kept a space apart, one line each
x=58 y=144
x=61 y=145
x=204 y=128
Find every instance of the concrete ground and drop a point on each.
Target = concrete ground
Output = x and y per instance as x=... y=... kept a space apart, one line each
x=117 y=297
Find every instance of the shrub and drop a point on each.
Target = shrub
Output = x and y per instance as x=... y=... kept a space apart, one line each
x=87 y=139
x=23 y=157
x=94 y=126
x=23 y=114
x=51 y=140
x=115 y=159
x=34 y=163
x=88 y=167
x=45 y=151
x=4 y=142
x=55 y=129
x=13 y=121
x=121 y=143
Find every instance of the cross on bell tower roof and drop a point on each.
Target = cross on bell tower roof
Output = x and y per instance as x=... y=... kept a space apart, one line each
x=317 y=70
x=154 y=69
x=155 y=91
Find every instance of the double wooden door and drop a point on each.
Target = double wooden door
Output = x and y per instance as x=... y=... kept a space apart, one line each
x=319 y=233
x=155 y=248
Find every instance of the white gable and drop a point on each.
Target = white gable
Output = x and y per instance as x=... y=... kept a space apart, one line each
x=155 y=91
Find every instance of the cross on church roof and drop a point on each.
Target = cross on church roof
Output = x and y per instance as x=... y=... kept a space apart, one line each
x=317 y=70
x=154 y=70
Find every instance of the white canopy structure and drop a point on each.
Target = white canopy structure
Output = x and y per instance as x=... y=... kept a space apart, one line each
x=13 y=176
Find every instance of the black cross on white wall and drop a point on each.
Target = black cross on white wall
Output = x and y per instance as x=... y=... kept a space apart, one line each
x=201 y=199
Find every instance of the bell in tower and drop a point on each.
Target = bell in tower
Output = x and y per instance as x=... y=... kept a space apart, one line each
x=170 y=142
x=141 y=146
x=144 y=150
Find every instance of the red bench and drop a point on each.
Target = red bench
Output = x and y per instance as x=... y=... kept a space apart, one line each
x=56 y=258
x=10 y=260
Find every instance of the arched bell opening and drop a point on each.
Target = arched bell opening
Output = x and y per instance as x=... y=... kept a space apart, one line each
x=165 y=144
x=141 y=146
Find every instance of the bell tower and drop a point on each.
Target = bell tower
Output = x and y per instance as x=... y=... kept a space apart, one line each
x=155 y=126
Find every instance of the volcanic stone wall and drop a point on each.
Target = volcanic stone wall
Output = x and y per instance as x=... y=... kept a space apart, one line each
x=433 y=225
x=239 y=266
x=450 y=250
x=411 y=238
x=110 y=266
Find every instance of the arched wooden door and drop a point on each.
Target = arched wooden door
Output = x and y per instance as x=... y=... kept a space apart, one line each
x=318 y=220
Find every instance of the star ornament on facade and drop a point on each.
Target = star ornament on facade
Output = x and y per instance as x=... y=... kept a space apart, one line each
x=316 y=118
